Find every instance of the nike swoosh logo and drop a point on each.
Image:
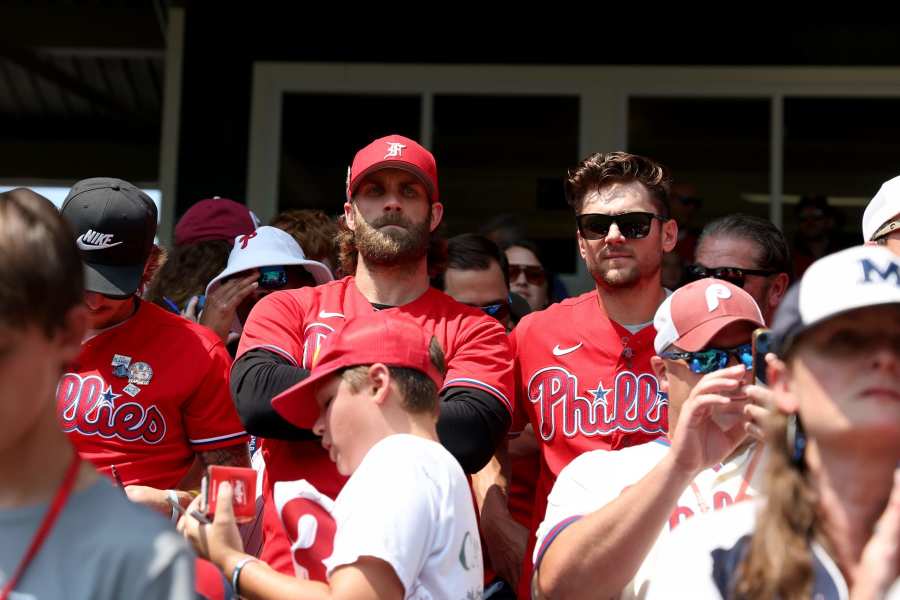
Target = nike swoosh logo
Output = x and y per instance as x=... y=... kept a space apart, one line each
x=326 y=315
x=557 y=351
x=82 y=246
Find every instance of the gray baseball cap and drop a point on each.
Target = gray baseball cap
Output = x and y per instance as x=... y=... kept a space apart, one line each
x=114 y=224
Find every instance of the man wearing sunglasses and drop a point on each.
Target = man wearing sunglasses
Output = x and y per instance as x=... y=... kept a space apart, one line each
x=583 y=373
x=748 y=252
x=609 y=510
x=148 y=395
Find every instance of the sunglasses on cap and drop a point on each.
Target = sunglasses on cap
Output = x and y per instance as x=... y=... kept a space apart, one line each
x=633 y=225
x=533 y=273
x=713 y=359
x=272 y=278
x=733 y=275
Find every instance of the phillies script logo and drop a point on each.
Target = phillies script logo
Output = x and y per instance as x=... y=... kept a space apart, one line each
x=632 y=403
x=88 y=405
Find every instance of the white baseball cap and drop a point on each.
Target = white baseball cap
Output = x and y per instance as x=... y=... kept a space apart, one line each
x=835 y=284
x=694 y=314
x=883 y=207
x=268 y=247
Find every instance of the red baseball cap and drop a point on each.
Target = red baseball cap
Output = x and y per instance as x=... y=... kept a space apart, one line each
x=378 y=338
x=214 y=219
x=397 y=152
x=696 y=313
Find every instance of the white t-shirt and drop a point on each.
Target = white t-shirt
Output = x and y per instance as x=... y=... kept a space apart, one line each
x=701 y=559
x=409 y=504
x=596 y=478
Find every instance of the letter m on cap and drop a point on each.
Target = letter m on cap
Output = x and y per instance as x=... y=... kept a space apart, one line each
x=871 y=270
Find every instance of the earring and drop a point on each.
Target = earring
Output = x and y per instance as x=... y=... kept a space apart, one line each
x=796 y=441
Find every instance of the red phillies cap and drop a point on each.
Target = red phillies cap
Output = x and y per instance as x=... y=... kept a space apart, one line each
x=214 y=219
x=378 y=338
x=400 y=153
x=697 y=312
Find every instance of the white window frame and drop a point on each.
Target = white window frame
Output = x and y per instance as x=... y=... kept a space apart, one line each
x=603 y=93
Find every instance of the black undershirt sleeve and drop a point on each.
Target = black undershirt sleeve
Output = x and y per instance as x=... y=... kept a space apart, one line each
x=472 y=422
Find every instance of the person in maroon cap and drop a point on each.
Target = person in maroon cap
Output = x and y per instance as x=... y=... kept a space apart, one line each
x=608 y=510
x=388 y=242
x=406 y=525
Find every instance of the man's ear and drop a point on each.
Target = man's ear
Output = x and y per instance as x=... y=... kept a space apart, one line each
x=777 y=290
x=662 y=373
x=669 y=235
x=437 y=213
x=349 y=215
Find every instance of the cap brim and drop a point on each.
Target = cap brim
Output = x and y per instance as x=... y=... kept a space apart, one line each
x=297 y=404
x=699 y=337
x=403 y=166
x=112 y=280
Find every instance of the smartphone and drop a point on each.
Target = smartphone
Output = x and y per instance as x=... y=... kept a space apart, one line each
x=243 y=485
x=761 y=346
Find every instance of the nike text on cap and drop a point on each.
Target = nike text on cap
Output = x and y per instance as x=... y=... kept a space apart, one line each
x=694 y=314
x=114 y=224
x=398 y=152
x=383 y=337
x=838 y=283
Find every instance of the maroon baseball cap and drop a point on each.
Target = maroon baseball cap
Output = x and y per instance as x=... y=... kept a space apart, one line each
x=694 y=314
x=398 y=152
x=381 y=337
x=214 y=219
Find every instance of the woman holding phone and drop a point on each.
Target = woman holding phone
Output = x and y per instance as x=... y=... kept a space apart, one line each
x=829 y=525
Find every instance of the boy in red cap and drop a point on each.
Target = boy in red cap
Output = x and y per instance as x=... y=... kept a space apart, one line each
x=609 y=510
x=405 y=522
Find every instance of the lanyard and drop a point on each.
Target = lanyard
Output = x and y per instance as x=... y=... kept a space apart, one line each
x=742 y=491
x=62 y=494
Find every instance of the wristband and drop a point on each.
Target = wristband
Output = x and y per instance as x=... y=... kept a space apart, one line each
x=173 y=496
x=236 y=574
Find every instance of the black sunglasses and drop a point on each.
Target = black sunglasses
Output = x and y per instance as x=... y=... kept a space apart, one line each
x=733 y=275
x=633 y=225
x=533 y=273
x=713 y=359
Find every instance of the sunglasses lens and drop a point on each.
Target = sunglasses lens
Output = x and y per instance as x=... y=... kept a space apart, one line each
x=594 y=226
x=731 y=275
x=634 y=226
x=272 y=277
x=745 y=353
x=533 y=273
x=498 y=311
x=707 y=361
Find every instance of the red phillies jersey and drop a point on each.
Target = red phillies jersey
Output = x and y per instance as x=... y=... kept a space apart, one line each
x=584 y=382
x=293 y=324
x=147 y=394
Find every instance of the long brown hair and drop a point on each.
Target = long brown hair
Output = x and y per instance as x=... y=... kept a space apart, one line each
x=187 y=271
x=779 y=560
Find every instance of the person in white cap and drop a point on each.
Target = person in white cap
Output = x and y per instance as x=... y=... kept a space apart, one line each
x=881 y=221
x=608 y=510
x=260 y=263
x=833 y=451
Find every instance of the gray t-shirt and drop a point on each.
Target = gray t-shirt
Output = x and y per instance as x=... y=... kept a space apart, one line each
x=101 y=546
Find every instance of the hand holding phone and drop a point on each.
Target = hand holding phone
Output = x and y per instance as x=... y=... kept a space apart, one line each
x=243 y=486
x=761 y=342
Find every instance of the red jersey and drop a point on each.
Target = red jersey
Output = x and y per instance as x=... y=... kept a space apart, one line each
x=585 y=383
x=293 y=324
x=146 y=395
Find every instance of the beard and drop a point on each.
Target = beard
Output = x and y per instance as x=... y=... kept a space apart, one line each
x=403 y=244
x=621 y=276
